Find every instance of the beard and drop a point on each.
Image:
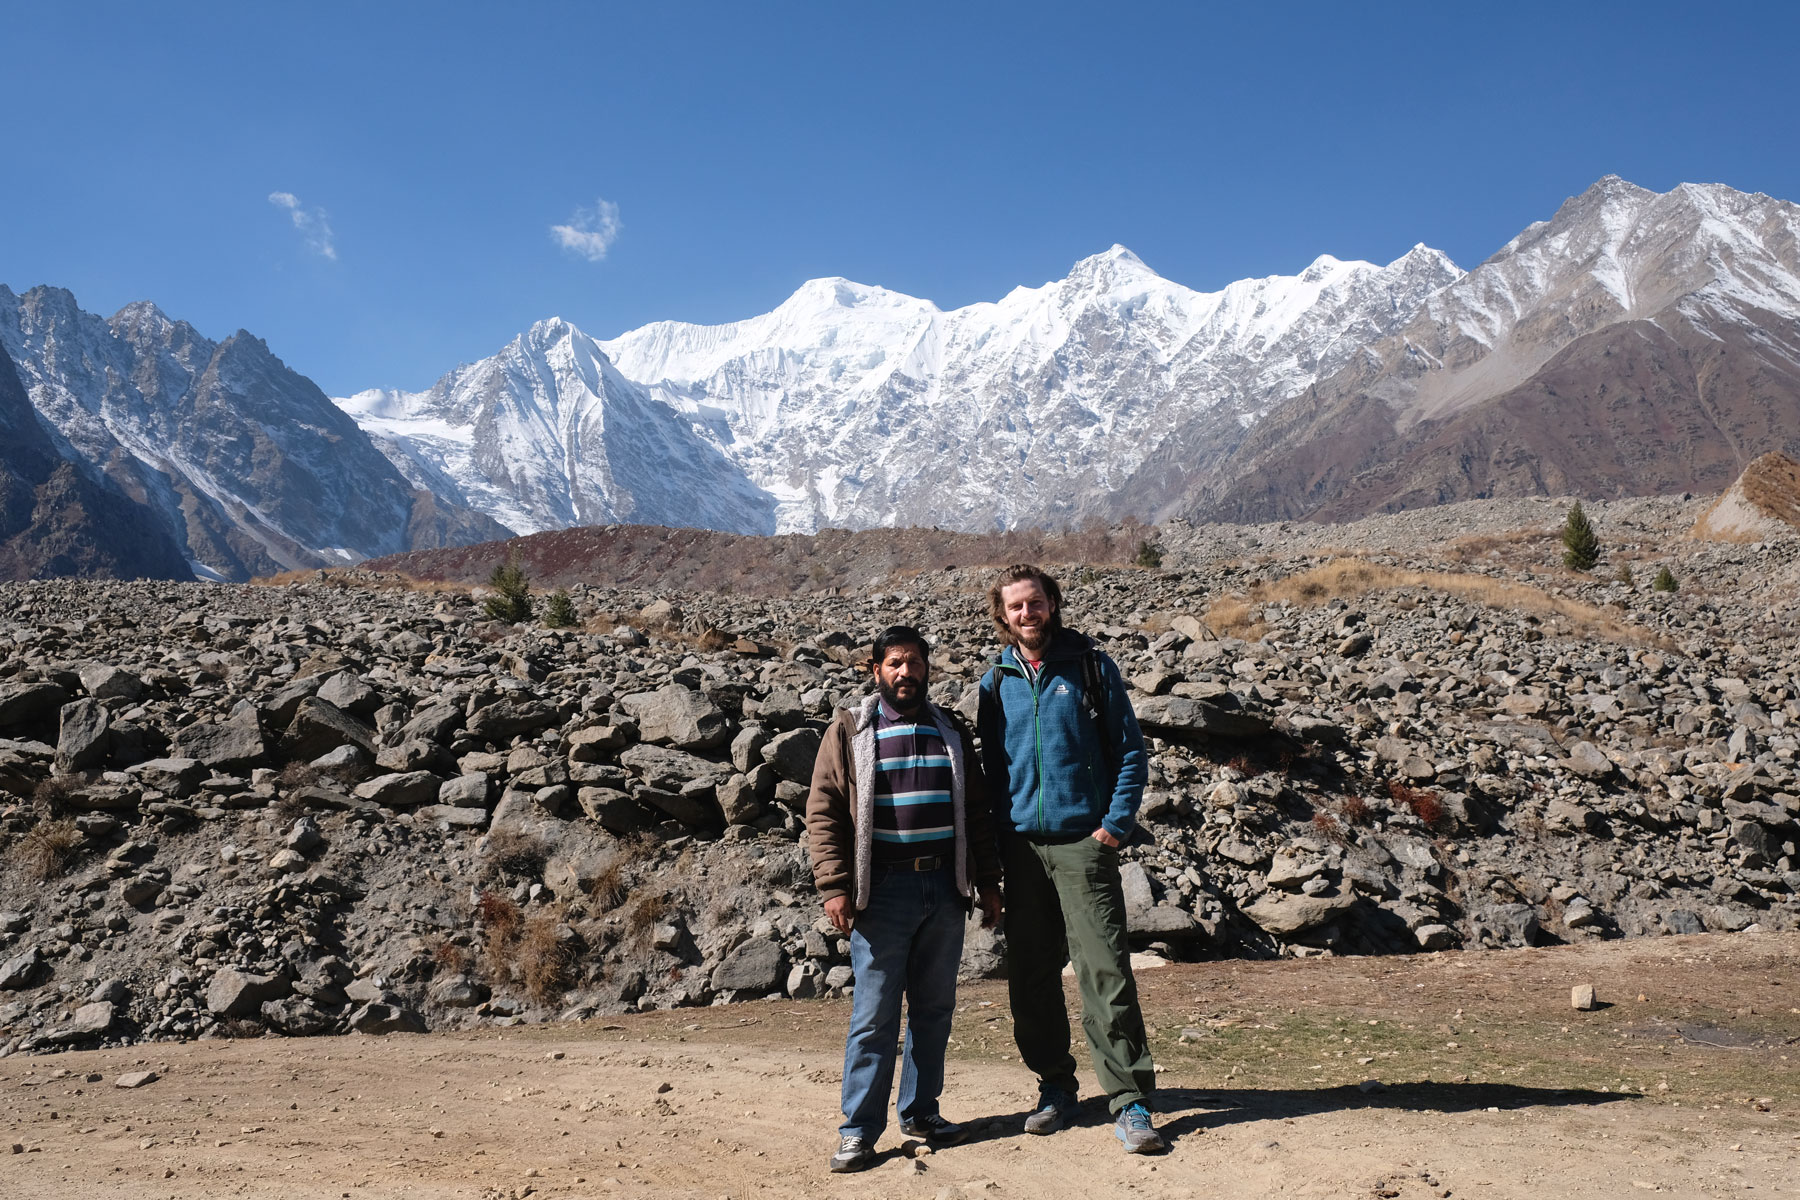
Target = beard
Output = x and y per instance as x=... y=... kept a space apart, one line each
x=902 y=703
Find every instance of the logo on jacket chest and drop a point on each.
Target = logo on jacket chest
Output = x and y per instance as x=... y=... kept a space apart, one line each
x=1062 y=689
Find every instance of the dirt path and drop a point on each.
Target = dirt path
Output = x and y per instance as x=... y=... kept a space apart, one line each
x=1491 y=1088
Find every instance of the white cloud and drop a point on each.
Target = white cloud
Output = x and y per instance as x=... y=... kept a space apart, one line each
x=311 y=222
x=590 y=231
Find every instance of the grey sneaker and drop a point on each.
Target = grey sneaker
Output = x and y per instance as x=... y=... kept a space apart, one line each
x=853 y=1154
x=1054 y=1111
x=1134 y=1129
x=935 y=1130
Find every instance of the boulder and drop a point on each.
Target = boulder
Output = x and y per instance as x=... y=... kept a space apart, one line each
x=505 y=720
x=350 y=693
x=235 y=993
x=1220 y=716
x=661 y=767
x=758 y=966
x=319 y=726
x=386 y=1018
x=1588 y=761
x=82 y=735
x=22 y=970
x=24 y=702
x=676 y=716
x=400 y=791
x=235 y=745
x=615 y=810
x=791 y=754
x=1284 y=915
x=104 y=682
x=466 y=791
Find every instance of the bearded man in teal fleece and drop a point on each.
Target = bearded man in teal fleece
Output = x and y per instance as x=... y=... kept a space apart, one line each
x=1066 y=764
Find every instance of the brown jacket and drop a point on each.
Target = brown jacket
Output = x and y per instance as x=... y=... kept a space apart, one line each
x=840 y=808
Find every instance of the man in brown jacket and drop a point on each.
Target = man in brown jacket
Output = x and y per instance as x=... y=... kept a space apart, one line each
x=901 y=833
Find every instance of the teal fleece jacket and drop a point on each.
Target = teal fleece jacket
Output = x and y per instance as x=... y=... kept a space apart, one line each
x=1043 y=756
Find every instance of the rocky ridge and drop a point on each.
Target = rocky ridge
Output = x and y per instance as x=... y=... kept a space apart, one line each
x=345 y=804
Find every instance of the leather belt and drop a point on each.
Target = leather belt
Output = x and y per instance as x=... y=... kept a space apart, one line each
x=935 y=862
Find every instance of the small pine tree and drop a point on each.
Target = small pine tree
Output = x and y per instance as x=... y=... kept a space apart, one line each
x=1665 y=581
x=1623 y=575
x=1581 y=547
x=512 y=601
x=559 y=610
x=1149 y=555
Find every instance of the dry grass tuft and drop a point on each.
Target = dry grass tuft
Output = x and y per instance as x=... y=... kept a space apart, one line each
x=642 y=914
x=499 y=915
x=514 y=852
x=48 y=849
x=1423 y=804
x=545 y=955
x=51 y=796
x=452 y=957
x=1355 y=810
x=1352 y=577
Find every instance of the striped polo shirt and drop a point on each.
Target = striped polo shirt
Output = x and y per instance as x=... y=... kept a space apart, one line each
x=914 y=817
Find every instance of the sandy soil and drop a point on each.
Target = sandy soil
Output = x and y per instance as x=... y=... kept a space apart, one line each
x=1491 y=1087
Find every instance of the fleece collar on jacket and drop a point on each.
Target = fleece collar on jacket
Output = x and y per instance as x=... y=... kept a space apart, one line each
x=1066 y=645
x=862 y=757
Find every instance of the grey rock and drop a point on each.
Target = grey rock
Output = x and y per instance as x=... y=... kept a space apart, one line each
x=386 y=1018
x=350 y=693
x=179 y=777
x=233 y=746
x=104 y=682
x=1223 y=716
x=505 y=720
x=400 y=791
x=23 y=970
x=1136 y=883
x=597 y=743
x=791 y=754
x=448 y=816
x=1568 y=817
x=319 y=726
x=1435 y=937
x=295 y=1016
x=91 y=1020
x=458 y=991
x=81 y=736
x=466 y=791
x=140 y=891
x=756 y=967
x=23 y=702
x=746 y=747
x=615 y=811
x=1163 y=921
x=1589 y=761
x=661 y=767
x=1683 y=920
x=1284 y=915
x=676 y=716
x=235 y=993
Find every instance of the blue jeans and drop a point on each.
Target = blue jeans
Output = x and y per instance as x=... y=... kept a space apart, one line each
x=908 y=942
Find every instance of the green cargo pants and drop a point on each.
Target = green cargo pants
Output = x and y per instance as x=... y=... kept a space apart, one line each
x=1063 y=900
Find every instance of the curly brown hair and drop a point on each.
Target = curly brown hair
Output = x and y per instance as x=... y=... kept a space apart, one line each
x=1020 y=573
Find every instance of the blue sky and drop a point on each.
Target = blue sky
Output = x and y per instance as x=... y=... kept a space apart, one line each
x=373 y=188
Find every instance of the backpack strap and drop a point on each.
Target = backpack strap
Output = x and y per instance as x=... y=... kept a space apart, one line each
x=1096 y=700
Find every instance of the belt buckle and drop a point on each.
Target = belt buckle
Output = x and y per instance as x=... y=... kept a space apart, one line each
x=926 y=864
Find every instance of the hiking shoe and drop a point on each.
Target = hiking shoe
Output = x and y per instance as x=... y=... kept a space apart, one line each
x=935 y=1130
x=1134 y=1129
x=853 y=1154
x=1054 y=1110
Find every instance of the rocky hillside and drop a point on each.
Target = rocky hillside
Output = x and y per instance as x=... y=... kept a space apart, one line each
x=1634 y=344
x=240 y=460
x=349 y=805
x=1763 y=503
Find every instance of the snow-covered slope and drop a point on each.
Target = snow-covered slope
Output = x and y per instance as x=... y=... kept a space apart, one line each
x=858 y=406
x=547 y=434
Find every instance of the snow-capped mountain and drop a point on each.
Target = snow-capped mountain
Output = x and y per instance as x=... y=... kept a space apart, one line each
x=247 y=463
x=858 y=406
x=57 y=517
x=1636 y=343
x=854 y=405
x=547 y=434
